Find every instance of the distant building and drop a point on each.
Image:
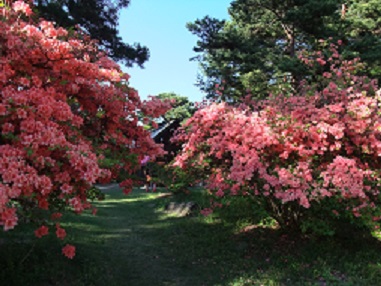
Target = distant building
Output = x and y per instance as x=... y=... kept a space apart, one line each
x=163 y=135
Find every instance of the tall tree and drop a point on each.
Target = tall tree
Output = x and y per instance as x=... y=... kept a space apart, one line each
x=255 y=52
x=100 y=19
x=363 y=32
x=182 y=108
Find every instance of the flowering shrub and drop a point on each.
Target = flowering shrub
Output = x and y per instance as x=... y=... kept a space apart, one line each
x=63 y=104
x=174 y=179
x=296 y=152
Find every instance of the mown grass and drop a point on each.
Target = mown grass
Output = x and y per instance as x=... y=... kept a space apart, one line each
x=133 y=241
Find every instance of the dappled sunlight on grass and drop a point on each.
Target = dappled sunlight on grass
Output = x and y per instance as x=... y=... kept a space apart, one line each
x=377 y=234
x=129 y=199
x=133 y=234
x=82 y=226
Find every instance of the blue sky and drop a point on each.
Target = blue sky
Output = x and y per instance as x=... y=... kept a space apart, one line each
x=160 y=25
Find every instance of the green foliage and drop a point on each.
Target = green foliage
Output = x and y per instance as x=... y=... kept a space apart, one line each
x=112 y=160
x=95 y=194
x=100 y=19
x=193 y=250
x=255 y=52
x=243 y=211
x=182 y=108
x=174 y=179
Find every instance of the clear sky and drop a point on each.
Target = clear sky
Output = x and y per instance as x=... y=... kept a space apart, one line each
x=160 y=25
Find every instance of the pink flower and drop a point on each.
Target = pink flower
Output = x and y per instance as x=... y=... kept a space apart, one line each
x=56 y=216
x=145 y=160
x=321 y=61
x=9 y=218
x=76 y=204
x=220 y=193
x=60 y=232
x=42 y=231
x=206 y=211
x=69 y=251
x=23 y=7
x=66 y=189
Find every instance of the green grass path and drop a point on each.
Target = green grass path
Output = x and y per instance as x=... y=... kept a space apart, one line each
x=133 y=241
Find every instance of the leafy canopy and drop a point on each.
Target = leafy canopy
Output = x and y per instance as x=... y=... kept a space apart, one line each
x=254 y=52
x=100 y=19
x=68 y=119
x=182 y=108
x=314 y=155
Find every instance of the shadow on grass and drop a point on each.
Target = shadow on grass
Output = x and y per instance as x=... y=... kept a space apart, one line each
x=132 y=241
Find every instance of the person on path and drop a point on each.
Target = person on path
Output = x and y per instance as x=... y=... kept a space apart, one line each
x=149 y=184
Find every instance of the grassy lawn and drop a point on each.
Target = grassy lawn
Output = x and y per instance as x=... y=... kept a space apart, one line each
x=133 y=241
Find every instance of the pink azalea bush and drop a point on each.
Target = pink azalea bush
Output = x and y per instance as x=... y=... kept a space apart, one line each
x=296 y=152
x=64 y=104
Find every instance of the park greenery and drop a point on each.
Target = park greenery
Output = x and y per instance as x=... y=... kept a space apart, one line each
x=282 y=166
x=63 y=102
x=256 y=51
x=133 y=240
x=182 y=108
x=99 y=18
x=307 y=159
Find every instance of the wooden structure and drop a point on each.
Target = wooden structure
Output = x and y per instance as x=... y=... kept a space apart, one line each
x=163 y=135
